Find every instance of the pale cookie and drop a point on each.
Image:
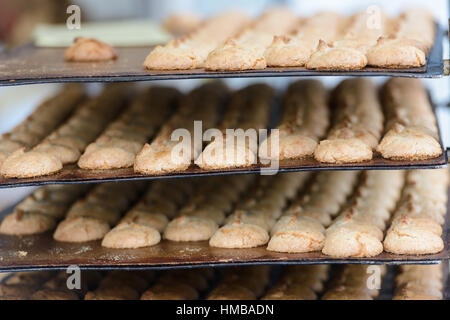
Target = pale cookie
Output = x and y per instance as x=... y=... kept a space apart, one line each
x=329 y=57
x=84 y=208
x=23 y=164
x=191 y=50
x=231 y=292
x=297 y=235
x=174 y=291
x=351 y=242
x=412 y=239
x=113 y=293
x=220 y=155
x=397 y=53
x=132 y=236
x=89 y=50
x=65 y=153
x=26 y=223
x=182 y=23
x=239 y=235
x=290 y=292
x=157 y=221
x=81 y=229
x=54 y=294
x=343 y=151
x=409 y=143
x=104 y=157
x=190 y=228
x=156 y=160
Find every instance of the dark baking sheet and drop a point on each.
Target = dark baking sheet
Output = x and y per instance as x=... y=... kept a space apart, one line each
x=73 y=174
x=41 y=252
x=31 y=65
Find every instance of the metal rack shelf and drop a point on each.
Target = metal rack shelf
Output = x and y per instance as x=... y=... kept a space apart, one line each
x=32 y=65
x=41 y=252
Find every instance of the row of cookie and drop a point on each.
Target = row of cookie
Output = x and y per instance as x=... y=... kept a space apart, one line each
x=189 y=211
x=41 y=211
x=417 y=224
x=411 y=131
x=347 y=282
x=47 y=285
x=419 y=283
x=47 y=117
x=119 y=144
x=68 y=141
x=278 y=38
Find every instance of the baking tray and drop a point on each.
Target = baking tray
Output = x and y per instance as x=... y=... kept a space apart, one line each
x=72 y=174
x=386 y=290
x=32 y=65
x=41 y=252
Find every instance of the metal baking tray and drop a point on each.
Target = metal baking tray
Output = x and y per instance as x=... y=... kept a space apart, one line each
x=72 y=174
x=386 y=290
x=41 y=252
x=32 y=65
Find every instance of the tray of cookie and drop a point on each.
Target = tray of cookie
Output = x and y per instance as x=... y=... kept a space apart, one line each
x=160 y=133
x=314 y=282
x=369 y=217
x=276 y=44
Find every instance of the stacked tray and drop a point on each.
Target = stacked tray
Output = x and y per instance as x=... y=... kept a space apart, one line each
x=41 y=252
x=33 y=65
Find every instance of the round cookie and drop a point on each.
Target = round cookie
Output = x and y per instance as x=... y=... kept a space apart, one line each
x=132 y=236
x=239 y=235
x=23 y=164
x=21 y=223
x=189 y=228
x=81 y=229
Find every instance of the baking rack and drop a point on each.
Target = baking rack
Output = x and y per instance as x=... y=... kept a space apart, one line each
x=72 y=174
x=41 y=252
x=32 y=65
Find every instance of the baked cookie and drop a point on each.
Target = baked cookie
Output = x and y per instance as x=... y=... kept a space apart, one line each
x=81 y=229
x=231 y=292
x=165 y=154
x=305 y=120
x=180 y=24
x=119 y=144
x=190 y=228
x=358 y=124
x=131 y=235
x=54 y=294
x=245 y=51
x=411 y=131
x=239 y=235
x=26 y=223
x=297 y=235
x=191 y=50
x=23 y=164
x=295 y=50
x=89 y=50
x=174 y=291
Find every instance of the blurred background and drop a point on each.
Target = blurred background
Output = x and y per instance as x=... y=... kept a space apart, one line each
x=19 y=19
